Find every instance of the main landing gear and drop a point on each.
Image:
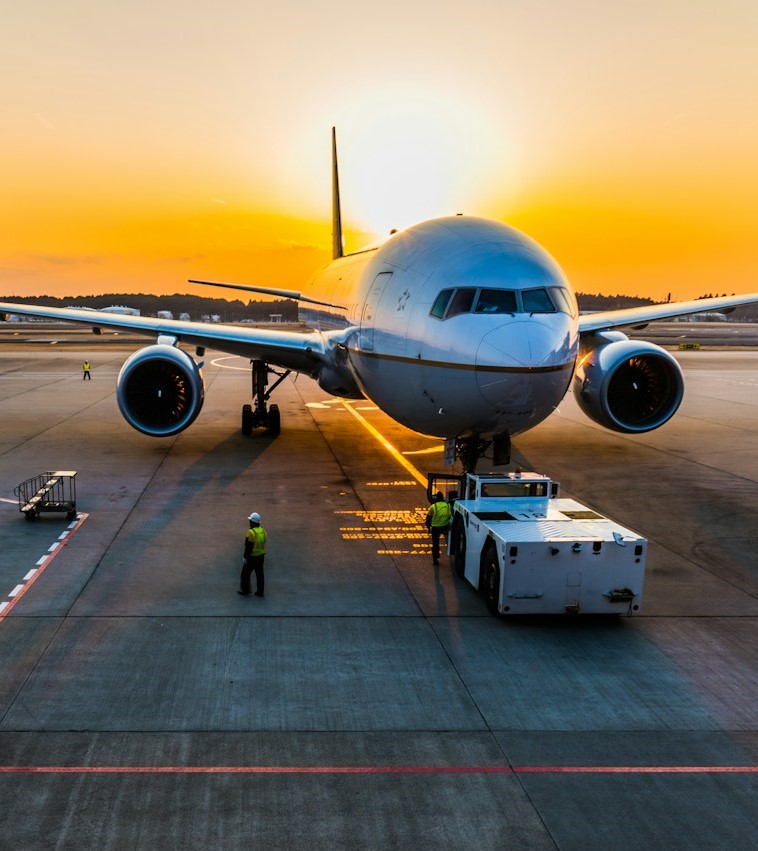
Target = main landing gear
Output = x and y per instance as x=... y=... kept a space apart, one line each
x=470 y=449
x=261 y=414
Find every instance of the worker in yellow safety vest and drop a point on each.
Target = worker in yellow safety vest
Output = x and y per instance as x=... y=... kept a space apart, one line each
x=252 y=560
x=438 y=522
x=86 y=371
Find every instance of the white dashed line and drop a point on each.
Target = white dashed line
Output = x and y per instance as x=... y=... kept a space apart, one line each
x=31 y=577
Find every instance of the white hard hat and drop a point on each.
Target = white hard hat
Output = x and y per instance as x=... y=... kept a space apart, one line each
x=255 y=517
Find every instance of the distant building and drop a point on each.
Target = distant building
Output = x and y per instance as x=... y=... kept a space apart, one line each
x=184 y=317
x=276 y=317
x=164 y=314
x=703 y=317
x=122 y=310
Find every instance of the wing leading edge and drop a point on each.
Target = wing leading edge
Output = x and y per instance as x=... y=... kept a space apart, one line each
x=302 y=352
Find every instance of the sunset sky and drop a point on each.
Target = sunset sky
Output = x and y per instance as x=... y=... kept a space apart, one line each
x=144 y=143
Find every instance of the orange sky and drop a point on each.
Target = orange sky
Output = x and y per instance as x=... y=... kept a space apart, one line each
x=147 y=144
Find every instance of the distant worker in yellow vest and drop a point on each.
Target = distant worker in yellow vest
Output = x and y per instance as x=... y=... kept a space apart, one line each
x=255 y=553
x=86 y=371
x=438 y=522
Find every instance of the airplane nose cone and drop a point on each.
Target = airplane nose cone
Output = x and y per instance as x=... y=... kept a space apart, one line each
x=508 y=356
x=517 y=344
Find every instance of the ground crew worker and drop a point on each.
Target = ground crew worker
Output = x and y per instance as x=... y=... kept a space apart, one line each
x=437 y=521
x=255 y=552
x=86 y=371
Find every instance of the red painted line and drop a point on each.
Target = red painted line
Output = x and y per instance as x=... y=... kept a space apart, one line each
x=304 y=769
x=636 y=769
x=27 y=585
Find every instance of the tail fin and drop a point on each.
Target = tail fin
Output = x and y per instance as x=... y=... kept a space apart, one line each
x=337 y=247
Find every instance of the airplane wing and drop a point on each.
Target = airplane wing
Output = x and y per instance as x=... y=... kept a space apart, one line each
x=631 y=316
x=302 y=352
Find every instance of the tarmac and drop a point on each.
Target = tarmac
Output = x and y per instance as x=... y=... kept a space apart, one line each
x=369 y=700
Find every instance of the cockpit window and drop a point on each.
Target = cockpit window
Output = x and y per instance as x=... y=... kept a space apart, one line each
x=537 y=301
x=440 y=303
x=462 y=301
x=453 y=302
x=564 y=301
x=496 y=301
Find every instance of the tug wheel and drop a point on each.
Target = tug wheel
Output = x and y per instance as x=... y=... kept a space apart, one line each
x=490 y=584
x=458 y=546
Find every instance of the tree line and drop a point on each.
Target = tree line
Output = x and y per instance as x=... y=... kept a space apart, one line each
x=196 y=306
x=237 y=310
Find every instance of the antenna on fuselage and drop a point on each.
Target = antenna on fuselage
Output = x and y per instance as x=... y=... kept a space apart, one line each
x=337 y=247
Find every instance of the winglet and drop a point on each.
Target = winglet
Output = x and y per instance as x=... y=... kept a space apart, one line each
x=337 y=247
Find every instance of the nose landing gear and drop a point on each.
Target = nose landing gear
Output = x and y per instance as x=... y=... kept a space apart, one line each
x=261 y=414
x=470 y=449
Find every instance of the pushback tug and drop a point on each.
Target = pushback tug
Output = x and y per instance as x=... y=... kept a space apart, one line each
x=530 y=551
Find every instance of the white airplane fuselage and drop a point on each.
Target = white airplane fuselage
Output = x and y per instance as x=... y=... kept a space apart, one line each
x=454 y=327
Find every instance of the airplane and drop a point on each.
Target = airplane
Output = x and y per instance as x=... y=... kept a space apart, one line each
x=459 y=327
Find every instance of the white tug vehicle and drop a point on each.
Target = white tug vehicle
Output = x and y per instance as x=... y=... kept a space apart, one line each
x=531 y=552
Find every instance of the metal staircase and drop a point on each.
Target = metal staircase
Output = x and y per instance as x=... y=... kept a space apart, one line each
x=52 y=491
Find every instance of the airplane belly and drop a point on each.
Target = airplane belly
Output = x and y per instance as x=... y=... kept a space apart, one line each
x=431 y=399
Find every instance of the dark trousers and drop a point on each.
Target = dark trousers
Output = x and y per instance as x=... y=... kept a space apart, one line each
x=437 y=532
x=254 y=563
x=87 y=376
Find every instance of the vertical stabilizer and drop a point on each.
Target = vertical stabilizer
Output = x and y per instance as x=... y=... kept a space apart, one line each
x=337 y=248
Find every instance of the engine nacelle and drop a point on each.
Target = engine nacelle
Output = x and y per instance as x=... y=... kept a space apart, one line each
x=628 y=385
x=160 y=390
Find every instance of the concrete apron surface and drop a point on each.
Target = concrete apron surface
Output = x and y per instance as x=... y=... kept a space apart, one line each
x=368 y=700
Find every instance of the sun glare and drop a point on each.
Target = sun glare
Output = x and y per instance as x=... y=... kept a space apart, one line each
x=410 y=157
x=405 y=155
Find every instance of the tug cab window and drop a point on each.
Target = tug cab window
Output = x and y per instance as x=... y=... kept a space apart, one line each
x=537 y=301
x=461 y=301
x=513 y=489
x=496 y=301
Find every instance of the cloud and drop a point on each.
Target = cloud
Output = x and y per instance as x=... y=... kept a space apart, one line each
x=59 y=260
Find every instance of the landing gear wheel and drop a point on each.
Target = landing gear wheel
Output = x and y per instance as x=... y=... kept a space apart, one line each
x=247 y=420
x=71 y=515
x=458 y=546
x=490 y=586
x=30 y=515
x=274 y=421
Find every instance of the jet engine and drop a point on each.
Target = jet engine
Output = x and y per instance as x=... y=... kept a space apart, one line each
x=627 y=385
x=160 y=390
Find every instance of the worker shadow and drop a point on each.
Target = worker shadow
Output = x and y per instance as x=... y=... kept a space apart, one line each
x=440 y=590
